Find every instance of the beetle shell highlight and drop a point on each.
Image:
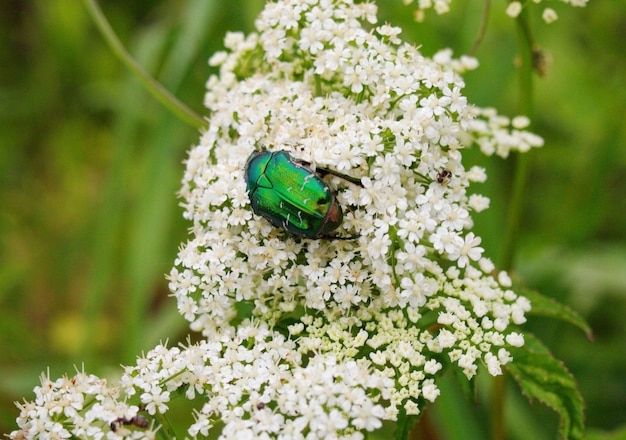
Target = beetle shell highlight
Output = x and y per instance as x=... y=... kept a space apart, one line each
x=290 y=195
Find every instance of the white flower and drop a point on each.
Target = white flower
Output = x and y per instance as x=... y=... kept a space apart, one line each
x=468 y=250
x=514 y=9
x=446 y=241
x=155 y=400
x=430 y=391
x=549 y=15
x=493 y=364
x=520 y=122
x=432 y=366
x=477 y=174
x=504 y=279
x=478 y=202
x=515 y=339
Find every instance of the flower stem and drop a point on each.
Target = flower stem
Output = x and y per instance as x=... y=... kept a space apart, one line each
x=166 y=432
x=155 y=88
x=497 y=407
x=525 y=69
x=483 y=28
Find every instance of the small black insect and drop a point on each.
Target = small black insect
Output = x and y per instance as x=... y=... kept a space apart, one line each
x=444 y=176
x=138 y=421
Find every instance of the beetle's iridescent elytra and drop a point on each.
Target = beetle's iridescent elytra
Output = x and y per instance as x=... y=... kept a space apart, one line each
x=290 y=195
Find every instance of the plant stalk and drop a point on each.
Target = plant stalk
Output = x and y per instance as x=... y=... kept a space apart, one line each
x=153 y=86
x=525 y=71
x=520 y=177
x=482 y=29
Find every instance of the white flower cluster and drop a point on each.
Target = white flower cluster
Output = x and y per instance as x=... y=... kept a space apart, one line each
x=412 y=288
x=321 y=338
x=258 y=385
x=440 y=7
x=497 y=134
x=83 y=406
x=255 y=382
x=549 y=15
x=513 y=9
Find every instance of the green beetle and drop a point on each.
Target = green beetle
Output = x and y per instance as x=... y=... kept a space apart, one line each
x=291 y=196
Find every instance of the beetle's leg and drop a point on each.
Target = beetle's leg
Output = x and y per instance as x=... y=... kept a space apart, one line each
x=334 y=237
x=324 y=171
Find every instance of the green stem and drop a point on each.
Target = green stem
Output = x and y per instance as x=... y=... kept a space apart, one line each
x=153 y=86
x=318 y=85
x=511 y=234
x=483 y=28
x=497 y=407
x=525 y=52
x=166 y=432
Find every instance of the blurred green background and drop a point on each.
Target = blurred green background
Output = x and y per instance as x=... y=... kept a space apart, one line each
x=90 y=166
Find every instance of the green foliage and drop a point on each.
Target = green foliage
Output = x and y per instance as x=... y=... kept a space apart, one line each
x=542 y=377
x=549 y=307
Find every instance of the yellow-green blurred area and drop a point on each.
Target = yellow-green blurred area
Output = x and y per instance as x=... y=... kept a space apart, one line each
x=90 y=165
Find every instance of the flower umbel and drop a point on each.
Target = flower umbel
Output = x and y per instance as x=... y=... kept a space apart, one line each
x=513 y=10
x=407 y=294
x=83 y=406
x=322 y=338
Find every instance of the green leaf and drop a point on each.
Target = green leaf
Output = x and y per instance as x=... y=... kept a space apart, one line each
x=542 y=377
x=546 y=306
